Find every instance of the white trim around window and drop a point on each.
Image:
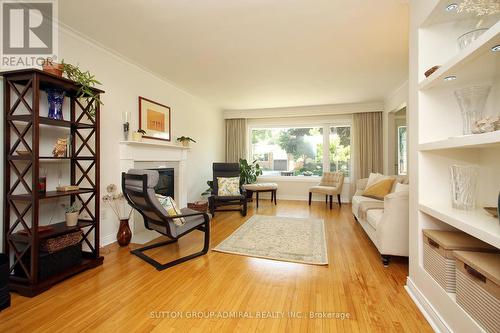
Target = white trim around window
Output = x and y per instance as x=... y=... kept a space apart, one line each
x=305 y=122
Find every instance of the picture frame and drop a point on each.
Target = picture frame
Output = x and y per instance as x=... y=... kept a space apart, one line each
x=155 y=119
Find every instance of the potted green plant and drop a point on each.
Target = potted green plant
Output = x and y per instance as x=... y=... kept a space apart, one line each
x=137 y=135
x=185 y=140
x=248 y=174
x=86 y=81
x=52 y=67
x=249 y=171
x=208 y=191
x=72 y=212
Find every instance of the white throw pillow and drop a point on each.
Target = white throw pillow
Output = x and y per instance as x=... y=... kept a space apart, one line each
x=228 y=187
x=373 y=178
x=171 y=207
x=401 y=187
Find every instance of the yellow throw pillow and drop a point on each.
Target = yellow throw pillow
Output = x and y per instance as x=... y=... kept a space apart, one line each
x=171 y=207
x=380 y=189
x=228 y=187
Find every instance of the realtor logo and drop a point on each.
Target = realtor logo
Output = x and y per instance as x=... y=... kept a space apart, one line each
x=29 y=32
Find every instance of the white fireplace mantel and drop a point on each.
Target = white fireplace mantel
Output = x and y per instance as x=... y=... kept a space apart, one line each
x=154 y=154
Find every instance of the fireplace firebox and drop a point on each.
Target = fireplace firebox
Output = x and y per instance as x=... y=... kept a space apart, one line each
x=166 y=182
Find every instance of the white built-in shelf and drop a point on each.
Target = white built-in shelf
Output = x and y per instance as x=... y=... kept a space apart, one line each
x=475 y=222
x=153 y=144
x=462 y=65
x=484 y=140
x=440 y=15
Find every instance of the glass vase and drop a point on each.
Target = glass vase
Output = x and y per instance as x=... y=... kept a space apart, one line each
x=463 y=186
x=472 y=101
x=56 y=99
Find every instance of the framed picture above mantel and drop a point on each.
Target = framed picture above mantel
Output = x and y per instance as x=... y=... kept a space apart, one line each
x=155 y=119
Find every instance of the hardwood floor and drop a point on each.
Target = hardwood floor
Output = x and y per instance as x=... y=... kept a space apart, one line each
x=127 y=294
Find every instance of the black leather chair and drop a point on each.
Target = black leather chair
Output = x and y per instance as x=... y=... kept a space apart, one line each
x=216 y=201
x=138 y=189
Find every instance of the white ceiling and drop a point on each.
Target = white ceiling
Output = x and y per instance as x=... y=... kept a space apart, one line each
x=240 y=54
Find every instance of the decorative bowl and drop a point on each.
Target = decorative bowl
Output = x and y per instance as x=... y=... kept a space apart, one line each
x=431 y=70
x=23 y=152
x=466 y=39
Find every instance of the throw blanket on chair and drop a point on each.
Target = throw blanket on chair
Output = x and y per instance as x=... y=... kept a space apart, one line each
x=365 y=206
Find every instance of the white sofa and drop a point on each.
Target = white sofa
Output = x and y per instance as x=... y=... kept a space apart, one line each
x=387 y=227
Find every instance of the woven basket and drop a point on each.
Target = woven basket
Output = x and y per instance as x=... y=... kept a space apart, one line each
x=200 y=206
x=55 y=244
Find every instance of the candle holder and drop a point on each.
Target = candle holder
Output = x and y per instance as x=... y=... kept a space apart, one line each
x=126 y=125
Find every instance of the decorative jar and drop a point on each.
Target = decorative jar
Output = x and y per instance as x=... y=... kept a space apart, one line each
x=463 y=186
x=472 y=101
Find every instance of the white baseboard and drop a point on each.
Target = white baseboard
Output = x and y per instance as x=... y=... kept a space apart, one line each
x=108 y=239
x=435 y=320
x=142 y=237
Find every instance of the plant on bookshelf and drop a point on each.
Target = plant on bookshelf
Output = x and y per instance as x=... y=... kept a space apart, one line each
x=86 y=82
x=72 y=212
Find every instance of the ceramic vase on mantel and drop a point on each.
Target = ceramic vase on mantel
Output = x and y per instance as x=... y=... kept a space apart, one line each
x=124 y=234
x=463 y=186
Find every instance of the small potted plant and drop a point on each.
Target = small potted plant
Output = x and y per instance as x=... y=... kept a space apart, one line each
x=52 y=67
x=86 y=81
x=137 y=135
x=72 y=212
x=185 y=140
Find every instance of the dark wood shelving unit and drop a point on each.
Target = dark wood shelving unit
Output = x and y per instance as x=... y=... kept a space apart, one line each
x=23 y=121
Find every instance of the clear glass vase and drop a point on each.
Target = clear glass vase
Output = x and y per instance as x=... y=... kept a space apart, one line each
x=463 y=186
x=472 y=101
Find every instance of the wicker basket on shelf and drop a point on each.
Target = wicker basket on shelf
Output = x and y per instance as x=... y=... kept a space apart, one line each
x=55 y=244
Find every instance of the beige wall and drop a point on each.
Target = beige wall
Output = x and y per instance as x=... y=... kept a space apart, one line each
x=123 y=82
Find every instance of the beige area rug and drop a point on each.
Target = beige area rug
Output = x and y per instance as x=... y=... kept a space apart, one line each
x=300 y=240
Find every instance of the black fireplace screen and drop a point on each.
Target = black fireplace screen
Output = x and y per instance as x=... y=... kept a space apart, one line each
x=166 y=182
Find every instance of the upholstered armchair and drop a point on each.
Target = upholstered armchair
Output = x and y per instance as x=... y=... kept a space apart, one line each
x=138 y=189
x=331 y=184
x=215 y=201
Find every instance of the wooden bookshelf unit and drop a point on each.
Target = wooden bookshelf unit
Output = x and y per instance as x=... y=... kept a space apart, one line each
x=24 y=120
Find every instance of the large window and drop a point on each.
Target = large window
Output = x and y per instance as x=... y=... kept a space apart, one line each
x=340 y=149
x=402 y=151
x=299 y=151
